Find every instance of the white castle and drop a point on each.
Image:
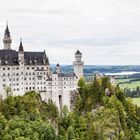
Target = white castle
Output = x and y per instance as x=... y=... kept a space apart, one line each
x=23 y=71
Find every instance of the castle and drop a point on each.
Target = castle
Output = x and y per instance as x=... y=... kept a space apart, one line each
x=24 y=71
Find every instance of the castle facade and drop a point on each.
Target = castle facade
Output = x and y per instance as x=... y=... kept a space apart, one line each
x=24 y=71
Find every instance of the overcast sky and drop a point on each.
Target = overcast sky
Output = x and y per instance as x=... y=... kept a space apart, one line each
x=107 y=32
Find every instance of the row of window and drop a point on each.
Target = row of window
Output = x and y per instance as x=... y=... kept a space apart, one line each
x=38 y=73
x=28 y=68
x=17 y=79
x=17 y=84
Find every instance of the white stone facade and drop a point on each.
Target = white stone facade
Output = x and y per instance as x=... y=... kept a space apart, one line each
x=26 y=71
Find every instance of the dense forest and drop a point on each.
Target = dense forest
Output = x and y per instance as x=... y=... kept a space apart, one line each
x=100 y=111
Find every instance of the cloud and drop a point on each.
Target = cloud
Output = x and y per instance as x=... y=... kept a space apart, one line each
x=106 y=31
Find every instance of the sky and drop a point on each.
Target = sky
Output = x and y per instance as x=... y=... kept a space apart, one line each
x=107 y=32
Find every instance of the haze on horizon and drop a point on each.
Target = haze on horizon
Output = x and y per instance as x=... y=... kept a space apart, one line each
x=107 y=32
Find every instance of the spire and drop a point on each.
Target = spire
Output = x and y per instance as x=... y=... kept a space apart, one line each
x=7 y=33
x=21 y=46
x=7 y=38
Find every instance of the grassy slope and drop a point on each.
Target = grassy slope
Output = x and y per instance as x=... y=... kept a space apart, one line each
x=131 y=85
x=136 y=101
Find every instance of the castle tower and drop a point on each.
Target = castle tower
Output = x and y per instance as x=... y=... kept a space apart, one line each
x=58 y=68
x=7 y=39
x=21 y=67
x=78 y=65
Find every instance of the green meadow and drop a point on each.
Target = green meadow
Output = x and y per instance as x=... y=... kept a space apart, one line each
x=128 y=83
x=136 y=101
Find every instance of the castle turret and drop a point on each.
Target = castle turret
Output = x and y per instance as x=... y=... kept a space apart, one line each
x=21 y=52
x=58 y=68
x=7 y=38
x=78 y=65
x=21 y=67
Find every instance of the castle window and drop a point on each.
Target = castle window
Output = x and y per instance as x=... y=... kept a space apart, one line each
x=17 y=74
x=17 y=68
x=32 y=68
x=4 y=85
x=27 y=68
x=4 y=80
x=3 y=68
x=24 y=78
x=8 y=68
x=17 y=89
x=17 y=79
x=3 y=74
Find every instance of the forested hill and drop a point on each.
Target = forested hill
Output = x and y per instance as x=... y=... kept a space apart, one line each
x=96 y=115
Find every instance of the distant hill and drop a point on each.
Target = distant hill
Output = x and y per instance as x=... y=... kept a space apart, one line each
x=90 y=69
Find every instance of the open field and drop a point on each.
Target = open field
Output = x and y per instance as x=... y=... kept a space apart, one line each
x=136 y=101
x=131 y=85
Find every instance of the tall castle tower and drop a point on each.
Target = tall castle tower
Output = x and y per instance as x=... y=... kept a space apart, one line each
x=7 y=39
x=21 y=67
x=78 y=65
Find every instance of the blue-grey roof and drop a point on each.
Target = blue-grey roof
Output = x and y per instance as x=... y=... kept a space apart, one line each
x=10 y=57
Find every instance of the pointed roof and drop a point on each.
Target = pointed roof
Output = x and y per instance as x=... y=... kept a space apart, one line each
x=21 y=46
x=7 y=33
x=57 y=65
x=78 y=52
